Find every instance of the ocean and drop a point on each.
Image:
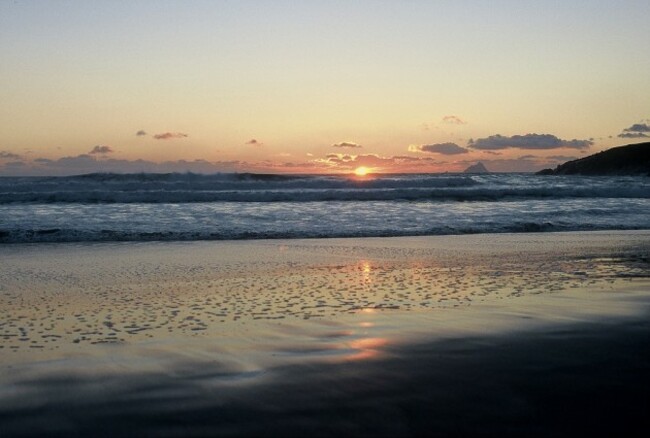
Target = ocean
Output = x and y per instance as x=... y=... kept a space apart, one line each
x=186 y=207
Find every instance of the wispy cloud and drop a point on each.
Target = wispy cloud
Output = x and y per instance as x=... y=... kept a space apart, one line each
x=633 y=135
x=15 y=165
x=169 y=135
x=453 y=120
x=439 y=148
x=527 y=141
x=9 y=156
x=346 y=144
x=561 y=157
x=101 y=149
x=86 y=163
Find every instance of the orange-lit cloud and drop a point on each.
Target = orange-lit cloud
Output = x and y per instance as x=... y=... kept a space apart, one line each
x=346 y=144
x=377 y=163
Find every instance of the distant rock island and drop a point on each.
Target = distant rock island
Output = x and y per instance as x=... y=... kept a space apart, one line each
x=477 y=168
x=633 y=159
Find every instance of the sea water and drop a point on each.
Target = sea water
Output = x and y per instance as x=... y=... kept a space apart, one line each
x=185 y=206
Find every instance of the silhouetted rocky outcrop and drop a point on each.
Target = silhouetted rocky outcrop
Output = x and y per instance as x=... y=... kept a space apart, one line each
x=633 y=159
x=477 y=168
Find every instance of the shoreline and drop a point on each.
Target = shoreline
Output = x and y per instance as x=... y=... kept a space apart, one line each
x=364 y=336
x=154 y=237
x=445 y=239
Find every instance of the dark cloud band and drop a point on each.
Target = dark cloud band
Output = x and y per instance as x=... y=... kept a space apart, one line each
x=101 y=149
x=169 y=135
x=9 y=156
x=638 y=127
x=527 y=141
x=440 y=148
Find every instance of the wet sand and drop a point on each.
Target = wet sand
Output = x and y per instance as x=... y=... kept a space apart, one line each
x=487 y=335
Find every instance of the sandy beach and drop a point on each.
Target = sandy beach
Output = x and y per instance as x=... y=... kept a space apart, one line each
x=485 y=334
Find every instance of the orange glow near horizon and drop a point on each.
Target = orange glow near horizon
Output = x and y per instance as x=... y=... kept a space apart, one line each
x=361 y=171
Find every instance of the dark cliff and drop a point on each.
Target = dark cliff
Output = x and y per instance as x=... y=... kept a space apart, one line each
x=632 y=159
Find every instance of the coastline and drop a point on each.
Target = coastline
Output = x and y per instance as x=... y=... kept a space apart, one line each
x=364 y=336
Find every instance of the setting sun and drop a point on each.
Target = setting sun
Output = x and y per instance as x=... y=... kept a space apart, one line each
x=361 y=171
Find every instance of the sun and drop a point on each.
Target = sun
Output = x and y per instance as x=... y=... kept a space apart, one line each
x=361 y=171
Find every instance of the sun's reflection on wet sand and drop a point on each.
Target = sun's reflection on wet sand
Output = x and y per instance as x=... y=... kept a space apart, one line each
x=366 y=272
x=367 y=345
x=367 y=348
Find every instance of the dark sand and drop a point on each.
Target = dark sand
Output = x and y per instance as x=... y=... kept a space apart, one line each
x=490 y=335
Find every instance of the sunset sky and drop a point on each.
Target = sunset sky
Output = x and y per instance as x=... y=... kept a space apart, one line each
x=318 y=86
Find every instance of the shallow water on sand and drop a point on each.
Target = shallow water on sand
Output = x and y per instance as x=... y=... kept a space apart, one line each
x=191 y=328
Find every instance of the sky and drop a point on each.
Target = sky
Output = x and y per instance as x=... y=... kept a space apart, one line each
x=318 y=86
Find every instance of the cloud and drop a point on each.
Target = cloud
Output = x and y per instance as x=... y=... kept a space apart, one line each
x=168 y=135
x=254 y=142
x=140 y=133
x=439 y=148
x=399 y=163
x=85 y=163
x=527 y=141
x=9 y=155
x=453 y=120
x=561 y=157
x=633 y=135
x=346 y=144
x=637 y=130
x=15 y=164
x=101 y=149
x=638 y=127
